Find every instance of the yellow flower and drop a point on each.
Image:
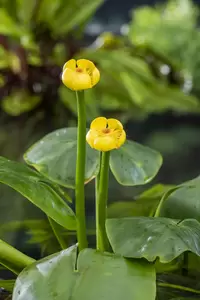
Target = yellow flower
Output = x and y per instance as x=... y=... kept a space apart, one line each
x=105 y=134
x=80 y=75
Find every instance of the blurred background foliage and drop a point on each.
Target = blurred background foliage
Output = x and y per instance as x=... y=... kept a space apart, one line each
x=150 y=74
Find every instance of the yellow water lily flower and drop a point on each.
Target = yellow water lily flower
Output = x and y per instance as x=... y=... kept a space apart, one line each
x=80 y=75
x=106 y=134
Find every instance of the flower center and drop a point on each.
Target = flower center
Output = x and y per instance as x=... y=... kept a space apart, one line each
x=106 y=130
x=79 y=70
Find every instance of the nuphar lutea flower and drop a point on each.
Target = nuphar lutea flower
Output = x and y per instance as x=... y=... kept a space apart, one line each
x=106 y=134
x=80 y=75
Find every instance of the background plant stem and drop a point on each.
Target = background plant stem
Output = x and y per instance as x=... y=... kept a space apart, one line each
x=102 y=242
x=80 y=172
x=56 y=231
x=179 y=287
x=13 y=259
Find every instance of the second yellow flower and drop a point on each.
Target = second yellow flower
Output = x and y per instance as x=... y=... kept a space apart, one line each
x=105 y=134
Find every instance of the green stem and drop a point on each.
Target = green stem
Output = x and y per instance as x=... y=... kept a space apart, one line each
x=179 y=287
x=56 y=231
x=164 y=197
x=102 y=242
x=97 y=179
x=13 y=259
x=80 y=172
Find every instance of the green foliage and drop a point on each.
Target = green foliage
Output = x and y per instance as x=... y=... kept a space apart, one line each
x=153 y=238
x=9 y=27
x=182 y=202
x=171 y=31
x=7 y=284
x=148 y=71
x=138 y=90
x=134 y=164
x=105 y=271
x=40 y=233
x=38 y=190
x=18 y=16
x=143 y=205
x=175 y=286
x=54 y=156
x=19 y=102
x=132 y=84
x=19 y=260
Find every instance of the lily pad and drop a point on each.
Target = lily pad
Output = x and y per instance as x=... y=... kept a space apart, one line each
x=99 y=276
x=55 y=157
x=152 y=238
x=134 y=164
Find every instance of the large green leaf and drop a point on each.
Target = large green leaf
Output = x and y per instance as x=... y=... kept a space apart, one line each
x=182 y=202
x=55 y=157
x=36 y=188
x=134 y=164
x=98 y=276
x=153 y=238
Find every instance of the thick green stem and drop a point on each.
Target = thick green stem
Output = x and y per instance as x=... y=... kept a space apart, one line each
x=97 y=179
x=56 y=231
x=179 y=287
x=13 y=259
x=80 y=172
x=102 y=242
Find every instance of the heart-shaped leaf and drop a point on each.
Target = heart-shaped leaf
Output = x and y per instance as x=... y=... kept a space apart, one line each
x=37 y=189
x=112 y=278
x=134 y=164
x=153 y=238
x=55 y=157
x=182 y=202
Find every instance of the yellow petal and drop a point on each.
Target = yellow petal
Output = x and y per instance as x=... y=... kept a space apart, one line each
x=104 y=143
x=114 y=124
x=90 y=137
x=120 y=138
x=85 y=64
x=76 y=81
x=71 y=64
x=95 y=76
x=99 y=123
